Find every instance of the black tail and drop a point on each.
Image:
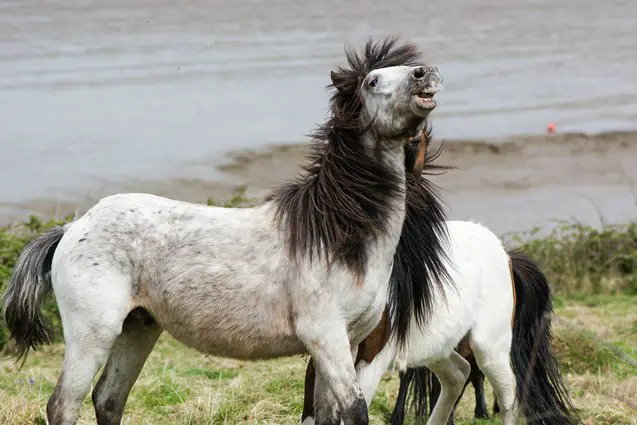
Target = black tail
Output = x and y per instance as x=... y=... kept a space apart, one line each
x=415 y=384
x=541 y=392
x=421 y=385
x=28 y=289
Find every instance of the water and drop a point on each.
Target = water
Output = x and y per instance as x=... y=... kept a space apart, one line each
x=94 y=91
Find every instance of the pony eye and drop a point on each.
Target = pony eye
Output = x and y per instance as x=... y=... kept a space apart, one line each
x=372 y=81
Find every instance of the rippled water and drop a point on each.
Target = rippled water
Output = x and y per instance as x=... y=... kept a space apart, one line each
x=110 y=89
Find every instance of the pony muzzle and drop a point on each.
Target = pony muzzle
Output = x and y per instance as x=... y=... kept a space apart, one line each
x=427 y=82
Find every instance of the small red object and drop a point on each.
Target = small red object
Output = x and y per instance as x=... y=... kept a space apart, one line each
x=551 y=127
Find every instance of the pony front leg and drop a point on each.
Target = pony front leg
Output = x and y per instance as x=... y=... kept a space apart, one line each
x=326 y=409
x=326 y=405
x=329 y=346
x=370 y=374
x=452 y=372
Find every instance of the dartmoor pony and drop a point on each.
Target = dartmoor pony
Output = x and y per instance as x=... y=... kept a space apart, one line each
x=498 y=309
x=306 y=271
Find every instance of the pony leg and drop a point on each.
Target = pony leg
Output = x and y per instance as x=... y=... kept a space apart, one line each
x=330 y=349
x=329 y=410
x=434 y=393
x=370 y=374
x=128 y=355
x=398 y=415
x=477 y=380
x=326 y=407
x=91 y=319
x=452 y=373
x=451 y=420
x=497 y=368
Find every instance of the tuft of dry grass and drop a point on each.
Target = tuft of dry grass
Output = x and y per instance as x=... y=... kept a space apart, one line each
x=181 y=386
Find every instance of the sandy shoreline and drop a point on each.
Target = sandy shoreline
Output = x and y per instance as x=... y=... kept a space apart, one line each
x=511 y=184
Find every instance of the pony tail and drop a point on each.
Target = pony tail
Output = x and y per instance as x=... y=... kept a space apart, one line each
x=28 y=289
x=540 y=388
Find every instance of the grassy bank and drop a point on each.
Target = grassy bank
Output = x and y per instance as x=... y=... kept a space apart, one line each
x=182 y=386
x=593 y=272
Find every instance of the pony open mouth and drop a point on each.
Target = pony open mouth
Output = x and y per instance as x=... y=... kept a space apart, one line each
x=424 y=100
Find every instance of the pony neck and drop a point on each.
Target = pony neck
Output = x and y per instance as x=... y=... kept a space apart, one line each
x=348 y=205
x=394 y=159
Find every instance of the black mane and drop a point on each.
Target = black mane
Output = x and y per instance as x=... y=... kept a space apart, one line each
x=341 y=202
x=419 y=260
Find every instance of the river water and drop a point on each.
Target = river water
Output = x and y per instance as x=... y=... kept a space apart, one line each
x=105 y=90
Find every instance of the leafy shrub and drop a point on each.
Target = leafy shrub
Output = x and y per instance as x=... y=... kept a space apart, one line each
x=582 y=259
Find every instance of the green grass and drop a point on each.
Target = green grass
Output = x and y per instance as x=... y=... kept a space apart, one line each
x=181 y=386
x=212 y=374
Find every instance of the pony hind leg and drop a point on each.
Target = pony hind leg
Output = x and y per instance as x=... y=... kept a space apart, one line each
x=126 y=360
x=452 y=373
x=370 y=374
x=92 y=310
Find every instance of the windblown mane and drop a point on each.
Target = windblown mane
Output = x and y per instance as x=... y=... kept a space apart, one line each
x=419 y=261
x=341 y=201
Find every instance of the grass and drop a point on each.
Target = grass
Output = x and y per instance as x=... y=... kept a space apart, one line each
x=593 y=272
x=181 y=386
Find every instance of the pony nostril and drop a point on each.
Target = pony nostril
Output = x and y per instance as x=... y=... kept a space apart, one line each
x=419 y=73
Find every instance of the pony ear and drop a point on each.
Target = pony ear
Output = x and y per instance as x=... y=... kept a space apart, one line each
x=338 y=80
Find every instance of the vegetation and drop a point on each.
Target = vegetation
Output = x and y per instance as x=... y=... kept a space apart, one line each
x=593 y=271
x=582 y=259
x=181 y=386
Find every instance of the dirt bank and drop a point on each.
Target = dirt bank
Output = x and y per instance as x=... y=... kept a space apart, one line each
x=510 y=184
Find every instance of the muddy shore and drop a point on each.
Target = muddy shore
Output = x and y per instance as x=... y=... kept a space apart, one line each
x=512 y=184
